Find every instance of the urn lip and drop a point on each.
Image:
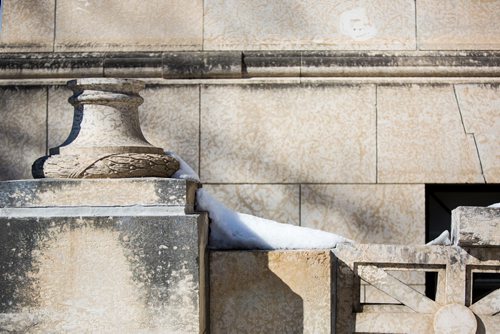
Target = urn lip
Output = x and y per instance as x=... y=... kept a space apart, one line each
x=121 y=85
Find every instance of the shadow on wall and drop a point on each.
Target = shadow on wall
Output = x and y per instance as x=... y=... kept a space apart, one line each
x=246 y=296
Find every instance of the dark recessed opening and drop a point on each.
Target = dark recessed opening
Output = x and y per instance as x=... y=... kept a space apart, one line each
x=483 y=284
x=440 y=200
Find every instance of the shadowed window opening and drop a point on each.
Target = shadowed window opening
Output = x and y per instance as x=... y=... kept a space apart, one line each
x=440 y=200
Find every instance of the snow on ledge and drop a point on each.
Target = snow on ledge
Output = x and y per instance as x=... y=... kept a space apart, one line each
x=234 y=230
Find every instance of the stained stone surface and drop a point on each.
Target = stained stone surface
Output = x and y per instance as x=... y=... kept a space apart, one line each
x=130 y=25
x=271 y=292
x=480 y=108
x=458 y=25
x=271 y=201
x=390 y=214
x=105 y=274
x=169 y=119
x=287 y=133
x=475 y=227
x=299 y=24
x=421 y=138
x=27 y=26
x=22 y=130
x=99 y=192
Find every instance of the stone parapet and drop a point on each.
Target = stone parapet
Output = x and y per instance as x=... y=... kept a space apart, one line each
x=475 y=227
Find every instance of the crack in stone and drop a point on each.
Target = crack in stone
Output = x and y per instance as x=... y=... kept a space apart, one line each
x=469 y=133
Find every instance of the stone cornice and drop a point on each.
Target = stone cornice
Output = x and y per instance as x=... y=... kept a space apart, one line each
x=251 y=64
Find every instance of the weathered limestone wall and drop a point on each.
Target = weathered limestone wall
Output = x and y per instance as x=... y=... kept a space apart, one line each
x=133 y=25
x=346 y=158
x=375 y=99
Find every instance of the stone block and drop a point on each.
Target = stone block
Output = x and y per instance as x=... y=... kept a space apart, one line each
x=271 y=292
x=260 y=133
x=174 y=193
x=387 y=214
x=458 y=25
x=22 y=130
x=475 y=226
x=27 y=26
x=421 y=138
x=305 y=25
x=131 y=25
x=60 y=115
x=278 y=202
x=479 y=105
x=102 y=274
x=170 y=118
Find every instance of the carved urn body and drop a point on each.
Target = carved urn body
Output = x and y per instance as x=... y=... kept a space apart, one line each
x=106 y=140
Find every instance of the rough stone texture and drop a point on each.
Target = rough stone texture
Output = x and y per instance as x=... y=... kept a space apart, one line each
x=105 y=274
x=480 y=108
x=391 y=214
x=421 y=138
x=299 y=24
x=103 y=192
x=277 y=202
x=131 y=65
x=195 y=65
x=106 y=140
x=169 y=119
x=22 y=130
x=475 y=226
x=131 y=25
x=287 y=133
x=271 y=292
x=458 y=25
x=27 y=26
x=417 y=314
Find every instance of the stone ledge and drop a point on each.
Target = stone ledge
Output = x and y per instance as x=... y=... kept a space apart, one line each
x=103 y=193
x=243 y=64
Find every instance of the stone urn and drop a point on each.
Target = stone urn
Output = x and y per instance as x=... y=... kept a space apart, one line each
x=106 y=140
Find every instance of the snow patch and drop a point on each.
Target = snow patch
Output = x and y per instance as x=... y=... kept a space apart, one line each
x=443 y=239
x=234 y=230
x=185 y=171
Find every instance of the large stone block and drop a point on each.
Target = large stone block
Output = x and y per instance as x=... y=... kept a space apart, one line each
x=299 y=24
x=421 y=138
x=287 y=133
x=101 y=274
x=390 y=214
x=22 y=130
x=271 y=292
x=271 y=201
x=131 y=25
x=27 y=26
x=475 y=226
x=480 y=108
x=458 y=25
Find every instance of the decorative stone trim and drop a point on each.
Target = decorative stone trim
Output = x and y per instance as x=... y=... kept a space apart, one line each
x=249 y=64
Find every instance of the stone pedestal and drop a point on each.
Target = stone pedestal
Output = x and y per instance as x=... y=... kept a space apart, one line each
x=117 y=256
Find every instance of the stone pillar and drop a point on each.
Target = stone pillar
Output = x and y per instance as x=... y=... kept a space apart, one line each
x=105 y=254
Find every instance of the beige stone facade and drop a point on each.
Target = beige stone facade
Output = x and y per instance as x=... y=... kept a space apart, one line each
x=325 y=114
